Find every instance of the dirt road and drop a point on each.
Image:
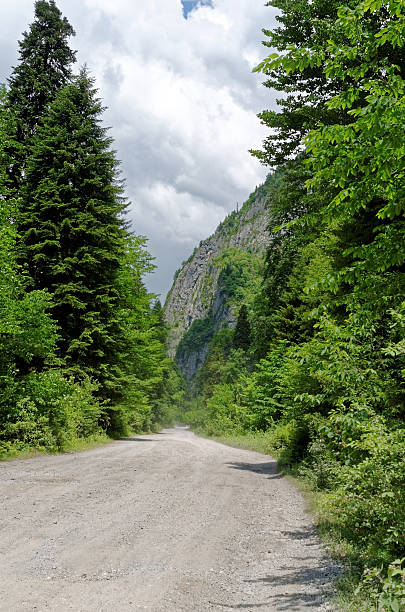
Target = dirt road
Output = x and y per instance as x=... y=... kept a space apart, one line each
x=169 y=522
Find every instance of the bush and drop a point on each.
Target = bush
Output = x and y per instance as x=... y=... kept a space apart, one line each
x=47 y=411
x=320 y=467
x=367 y=508
x=385 y=589
x=286 y=441
x=195 y=415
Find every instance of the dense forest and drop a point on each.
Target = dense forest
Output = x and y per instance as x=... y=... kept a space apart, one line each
x=82 y=343
x=313 y=373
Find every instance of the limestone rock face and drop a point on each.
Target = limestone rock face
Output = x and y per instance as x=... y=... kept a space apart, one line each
x=199 y=294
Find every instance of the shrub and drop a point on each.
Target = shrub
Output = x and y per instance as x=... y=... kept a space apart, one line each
x=367 y=508
x=385 y=589
x=47 y=410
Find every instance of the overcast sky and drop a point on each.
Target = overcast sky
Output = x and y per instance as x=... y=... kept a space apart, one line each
x=182 y=102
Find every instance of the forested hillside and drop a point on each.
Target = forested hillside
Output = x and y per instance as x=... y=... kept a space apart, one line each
x=314 y=372
x=82 y=344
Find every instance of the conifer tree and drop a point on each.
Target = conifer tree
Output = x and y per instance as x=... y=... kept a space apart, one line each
x=45 y=67
x=242 y=334
x=72 y=232
x=160 y=325
x=27 y=333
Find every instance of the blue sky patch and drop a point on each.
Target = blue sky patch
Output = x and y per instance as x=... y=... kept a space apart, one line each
x=189 y=5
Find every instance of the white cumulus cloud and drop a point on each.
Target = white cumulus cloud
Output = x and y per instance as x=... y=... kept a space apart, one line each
x=182 y=102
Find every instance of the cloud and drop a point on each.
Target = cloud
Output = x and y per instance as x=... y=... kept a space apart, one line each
x=182 y=102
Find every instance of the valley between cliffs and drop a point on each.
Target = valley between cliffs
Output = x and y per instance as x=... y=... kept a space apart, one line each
x=210 y=287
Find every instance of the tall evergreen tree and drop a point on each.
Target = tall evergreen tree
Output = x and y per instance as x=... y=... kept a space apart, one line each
x=242 y=334
x=45 y=67
x=72 y=231
x=27 y=333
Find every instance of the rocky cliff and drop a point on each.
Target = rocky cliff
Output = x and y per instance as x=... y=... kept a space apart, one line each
x=211 y=285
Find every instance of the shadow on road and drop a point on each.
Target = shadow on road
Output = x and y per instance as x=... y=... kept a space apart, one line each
x=138 y=440
x=309 y=533
x=294 y=581
x=269 y=468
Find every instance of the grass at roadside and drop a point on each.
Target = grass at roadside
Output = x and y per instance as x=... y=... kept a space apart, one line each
x=256 y=441
x=9 y=451
x=76 y=446
x=89 y=443
x=253 y=440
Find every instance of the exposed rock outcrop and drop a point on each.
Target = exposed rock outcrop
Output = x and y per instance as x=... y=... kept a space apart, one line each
x=204 y=296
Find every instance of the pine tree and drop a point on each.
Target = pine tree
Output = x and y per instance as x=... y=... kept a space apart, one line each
x=242 y=335
x=72 y=231
x=45 y=67
x=27 y=333
x=160 y=325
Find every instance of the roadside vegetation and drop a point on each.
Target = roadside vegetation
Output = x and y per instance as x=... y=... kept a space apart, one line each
x=314 y=371
x=314 y=374
x=82 y=343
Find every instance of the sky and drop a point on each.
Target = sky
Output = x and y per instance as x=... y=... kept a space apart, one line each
x=176 y=78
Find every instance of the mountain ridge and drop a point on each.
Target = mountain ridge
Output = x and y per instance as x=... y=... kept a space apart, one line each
x=210 y=285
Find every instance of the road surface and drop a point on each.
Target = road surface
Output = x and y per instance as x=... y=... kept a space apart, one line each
x=168 y=522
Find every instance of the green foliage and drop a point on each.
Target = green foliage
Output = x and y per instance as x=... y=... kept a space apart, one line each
x=196 y=337
x=294 y=259
x=239 y=275
x=217 y=365
x=369 y=97
x=375 y=130
x=242 y=333
x=366 y=509
x=170 y=401
x=261 y=388
x=81 y=346
x=194 y=414
x=386 y=591
x=44 y=68
x=71 y=233
x=325 y=394
x=46 y=411
x=27 y=333
x=303 y=25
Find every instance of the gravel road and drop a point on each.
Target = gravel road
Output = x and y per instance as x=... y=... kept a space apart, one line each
x=169 y=522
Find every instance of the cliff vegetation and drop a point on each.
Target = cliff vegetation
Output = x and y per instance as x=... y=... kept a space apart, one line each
x=220 y=275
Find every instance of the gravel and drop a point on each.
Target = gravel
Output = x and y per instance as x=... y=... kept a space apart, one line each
x=167 y=523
